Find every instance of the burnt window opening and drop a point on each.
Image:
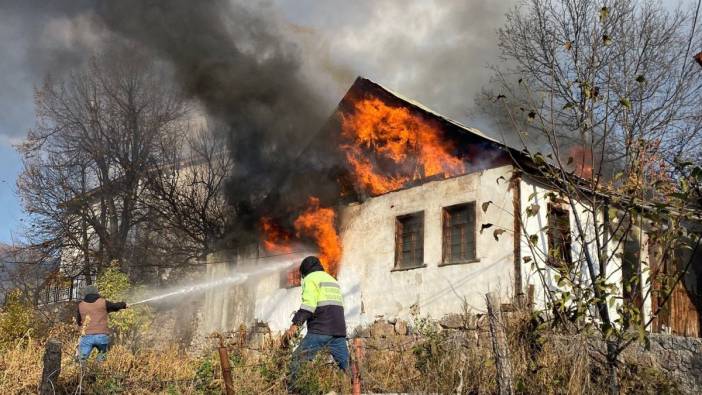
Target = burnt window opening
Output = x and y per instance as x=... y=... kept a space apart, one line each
x=409 y=241
x=559 y=237
x=459 y=233
x=291 y=278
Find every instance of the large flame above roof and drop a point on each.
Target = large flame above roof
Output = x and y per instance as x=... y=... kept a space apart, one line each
x=388 y=146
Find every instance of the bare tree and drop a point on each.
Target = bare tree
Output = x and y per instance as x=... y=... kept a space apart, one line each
x=188 y=198
x=609 y=72
x=610 y=91
x=99 y=130
x=23 y=271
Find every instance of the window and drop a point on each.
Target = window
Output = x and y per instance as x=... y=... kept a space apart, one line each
x=291 y=278
x=409 y=241
x=459 y=233
x=559 y=240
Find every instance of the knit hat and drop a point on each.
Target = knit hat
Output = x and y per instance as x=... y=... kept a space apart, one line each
x=89 y=289
x=309 y=265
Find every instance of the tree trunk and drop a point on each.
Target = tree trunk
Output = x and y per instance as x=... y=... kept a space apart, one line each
x=499 y=345
x=52 y=367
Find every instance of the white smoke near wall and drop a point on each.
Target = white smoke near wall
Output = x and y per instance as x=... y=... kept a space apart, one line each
x=241 y=275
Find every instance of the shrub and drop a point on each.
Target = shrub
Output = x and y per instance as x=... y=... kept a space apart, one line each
x=17 y=318
x=205 y=376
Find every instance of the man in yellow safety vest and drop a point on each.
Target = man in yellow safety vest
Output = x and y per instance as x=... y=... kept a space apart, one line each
x=322 y=309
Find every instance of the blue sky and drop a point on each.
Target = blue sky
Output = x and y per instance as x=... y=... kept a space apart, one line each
x=9 y=204
x=16 y=117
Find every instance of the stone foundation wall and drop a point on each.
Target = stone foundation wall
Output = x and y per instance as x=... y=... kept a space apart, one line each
x=679 y=357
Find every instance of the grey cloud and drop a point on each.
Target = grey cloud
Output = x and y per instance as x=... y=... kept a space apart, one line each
x=37 y=38
x=433 y=51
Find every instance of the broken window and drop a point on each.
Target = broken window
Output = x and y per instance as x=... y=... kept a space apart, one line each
x=559 y=240
x=459 y=233
x=291 y=278
x=409 y=241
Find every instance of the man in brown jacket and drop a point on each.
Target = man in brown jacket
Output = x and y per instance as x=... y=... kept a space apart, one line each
x=92 y=319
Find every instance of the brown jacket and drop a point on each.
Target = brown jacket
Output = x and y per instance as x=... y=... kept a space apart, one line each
x=92 y=314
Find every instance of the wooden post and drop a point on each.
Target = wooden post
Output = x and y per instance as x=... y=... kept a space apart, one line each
x=499 y=345
x=226 y=367
x=52 y=367
x=530 y=298
x=356 y=366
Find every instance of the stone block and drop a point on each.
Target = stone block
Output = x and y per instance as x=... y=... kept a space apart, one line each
x=382 y=329
x=401 y=328
x=453 y=321
x=362 y=331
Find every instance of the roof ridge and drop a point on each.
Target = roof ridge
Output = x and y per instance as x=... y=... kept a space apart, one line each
x=434 y=113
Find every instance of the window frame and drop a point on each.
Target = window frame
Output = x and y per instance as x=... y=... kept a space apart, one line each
x=446 y=229
x=398 y=266
x=566 y=260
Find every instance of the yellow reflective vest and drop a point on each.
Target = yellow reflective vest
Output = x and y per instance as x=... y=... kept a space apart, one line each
x=322 y=305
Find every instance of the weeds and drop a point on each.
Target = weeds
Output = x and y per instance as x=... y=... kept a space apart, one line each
x=430 y=360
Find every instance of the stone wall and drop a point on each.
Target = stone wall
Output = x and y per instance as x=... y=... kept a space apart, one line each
x=679 y=357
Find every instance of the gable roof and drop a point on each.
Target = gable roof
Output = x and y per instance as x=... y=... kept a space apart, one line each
x=429 y=111
x=366 y=85
x=521 y=158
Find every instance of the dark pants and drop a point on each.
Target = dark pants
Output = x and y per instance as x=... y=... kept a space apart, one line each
x=311 y=345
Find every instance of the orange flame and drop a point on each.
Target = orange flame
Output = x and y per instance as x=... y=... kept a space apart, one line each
x=581 y=161
x=318 y=223
x=276 y=239
x=413 y=144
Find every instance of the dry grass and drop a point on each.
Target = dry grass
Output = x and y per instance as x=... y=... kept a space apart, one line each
x=20 y=367
x=433 y=362
x=145 y=371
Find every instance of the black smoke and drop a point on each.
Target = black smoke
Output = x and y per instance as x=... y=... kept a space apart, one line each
x=261 y=74
x=235 y=63
x=247 y=76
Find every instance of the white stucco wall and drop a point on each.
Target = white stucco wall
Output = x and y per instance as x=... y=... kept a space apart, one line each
x=372 y=289
x=368 y=234
x=370 y=286
x=538 y=272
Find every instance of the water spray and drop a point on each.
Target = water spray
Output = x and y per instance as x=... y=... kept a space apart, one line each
x=236 y=278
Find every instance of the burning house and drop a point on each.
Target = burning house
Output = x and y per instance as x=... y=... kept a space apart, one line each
x=429 y=216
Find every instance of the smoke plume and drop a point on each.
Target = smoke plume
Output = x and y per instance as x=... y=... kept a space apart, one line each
x=271 y=72
x=246 y=75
